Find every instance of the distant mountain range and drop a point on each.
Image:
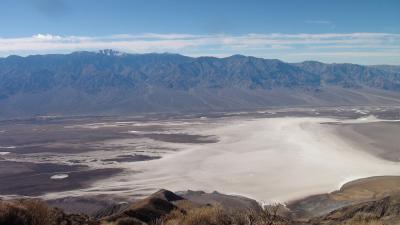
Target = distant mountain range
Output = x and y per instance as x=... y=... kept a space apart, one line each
x=111 y=82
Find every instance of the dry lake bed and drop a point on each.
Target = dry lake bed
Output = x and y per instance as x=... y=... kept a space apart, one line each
x=269 y=155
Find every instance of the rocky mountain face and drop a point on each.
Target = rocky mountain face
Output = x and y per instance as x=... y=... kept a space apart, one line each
x=354 y=76
x=110 y=82
x=389 y=68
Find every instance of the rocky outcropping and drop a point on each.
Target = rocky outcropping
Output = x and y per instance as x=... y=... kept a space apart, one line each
x=149 y=209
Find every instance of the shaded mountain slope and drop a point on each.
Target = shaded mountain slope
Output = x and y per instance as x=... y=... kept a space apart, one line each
x=354 y=76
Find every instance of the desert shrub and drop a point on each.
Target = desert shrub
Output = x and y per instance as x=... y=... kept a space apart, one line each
x=215 y=215
x=269 y=216
x=210 y=215
x=26 y=212
x=40 y=212
x=13 y=214
x=364 y=219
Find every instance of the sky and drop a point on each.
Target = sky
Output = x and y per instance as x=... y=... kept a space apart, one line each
x=356 y=31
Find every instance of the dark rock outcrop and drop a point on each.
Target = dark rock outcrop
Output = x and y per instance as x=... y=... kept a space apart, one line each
x=149 y=209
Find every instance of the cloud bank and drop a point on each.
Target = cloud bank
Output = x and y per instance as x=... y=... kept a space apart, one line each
x=363 y=48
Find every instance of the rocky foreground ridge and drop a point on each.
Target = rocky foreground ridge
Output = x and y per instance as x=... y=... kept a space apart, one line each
x=165 y=207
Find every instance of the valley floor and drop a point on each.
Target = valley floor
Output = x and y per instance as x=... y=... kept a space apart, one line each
x=274 y=155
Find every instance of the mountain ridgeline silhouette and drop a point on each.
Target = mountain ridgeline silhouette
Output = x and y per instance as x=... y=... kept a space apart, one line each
x=111 y=82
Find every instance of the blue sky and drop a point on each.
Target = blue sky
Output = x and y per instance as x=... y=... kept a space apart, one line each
x=365 y=32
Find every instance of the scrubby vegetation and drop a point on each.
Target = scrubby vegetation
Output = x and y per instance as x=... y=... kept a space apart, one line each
x=32 y=212
x=37 y=212
x=364 y=219
x=215 y=215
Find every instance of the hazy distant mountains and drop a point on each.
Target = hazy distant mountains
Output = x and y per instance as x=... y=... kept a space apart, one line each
x=109 y=82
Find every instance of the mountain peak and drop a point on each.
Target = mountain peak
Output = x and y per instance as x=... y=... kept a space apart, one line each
x=111 y=52
x=237 y=56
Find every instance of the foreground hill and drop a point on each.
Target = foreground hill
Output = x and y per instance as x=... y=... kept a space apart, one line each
x=109 y=82
x=165 y=207
x=352 y=193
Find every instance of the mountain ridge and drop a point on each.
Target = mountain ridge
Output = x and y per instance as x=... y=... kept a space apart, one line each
x=109 y=81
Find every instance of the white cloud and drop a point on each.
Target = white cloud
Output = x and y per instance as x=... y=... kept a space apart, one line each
x=46 y=37
x=350 y=53
x=277 y=45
